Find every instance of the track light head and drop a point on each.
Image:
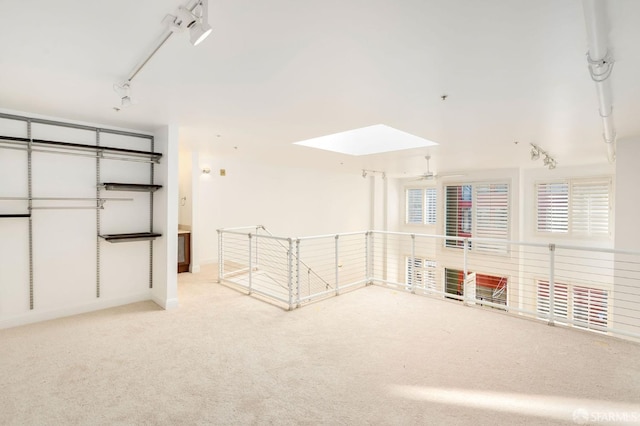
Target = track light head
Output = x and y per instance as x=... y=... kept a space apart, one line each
x=195 y=20
x=124 y=91
x=364 y=173
x=548 y=161
x=535 y=154
x=199 y=32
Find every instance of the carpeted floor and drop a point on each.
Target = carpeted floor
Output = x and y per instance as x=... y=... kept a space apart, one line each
x=374 y=356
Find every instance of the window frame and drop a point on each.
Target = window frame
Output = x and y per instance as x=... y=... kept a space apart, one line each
x=571 y=233
x=468 y=201
x=429 y=204
x=567 y=309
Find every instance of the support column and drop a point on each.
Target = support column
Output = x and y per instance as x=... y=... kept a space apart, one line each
x=165 y=220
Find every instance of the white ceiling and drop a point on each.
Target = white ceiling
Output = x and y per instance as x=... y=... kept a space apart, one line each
x=282 y=71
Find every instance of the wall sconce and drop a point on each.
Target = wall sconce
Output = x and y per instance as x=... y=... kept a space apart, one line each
x=206 y=170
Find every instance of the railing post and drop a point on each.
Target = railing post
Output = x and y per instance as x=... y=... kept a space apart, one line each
x=465 y=272
x=250 y=263
x=298 y=272
x=290 y=273
x=367 y=265
x=337 y=266
x=552 y=286
x=256 y=251
x=412 y=287
x=220 y=256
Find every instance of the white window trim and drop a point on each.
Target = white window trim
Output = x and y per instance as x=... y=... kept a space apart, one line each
x=425 y=214
x=474 y=203
x=570 y=234
x=570 y=302
x=428 y=281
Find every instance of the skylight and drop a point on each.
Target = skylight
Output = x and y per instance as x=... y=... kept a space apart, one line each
x=367 y=140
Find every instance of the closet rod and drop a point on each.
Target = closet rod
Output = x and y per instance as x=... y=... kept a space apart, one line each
x=83 y=147
x=63 y=199
x=77 y=154
x=67 y=208
x=74 y=126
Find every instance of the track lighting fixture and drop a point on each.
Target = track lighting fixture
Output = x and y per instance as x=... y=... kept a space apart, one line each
x=196 y=20
x=366 y=172
x=124 y=91
x=193 y=17
x=548 y=161
x=535 y=154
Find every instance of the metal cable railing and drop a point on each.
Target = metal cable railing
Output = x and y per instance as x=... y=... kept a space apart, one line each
x=588 y=288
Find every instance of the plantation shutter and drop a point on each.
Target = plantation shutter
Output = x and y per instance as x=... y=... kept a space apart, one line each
x=560 y=302
x=414 y=271
x=421 y=273
x=553 y=207
x=430 y=206
x=414 y=206
x=453 y=221
x=589 y=307
x=430 y=274
x=590 y=208
x=492 y=215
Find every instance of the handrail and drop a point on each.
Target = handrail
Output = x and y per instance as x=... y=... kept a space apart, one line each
x=345 y=234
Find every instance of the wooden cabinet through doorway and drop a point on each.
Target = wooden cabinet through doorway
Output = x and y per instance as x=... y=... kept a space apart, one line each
x=184 y=251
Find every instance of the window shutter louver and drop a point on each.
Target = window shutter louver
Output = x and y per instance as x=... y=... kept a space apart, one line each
x=560 y=303
x=430 y=206
x=453 y=217
x=590 y=208
x=589 y=307
x=421 y=273
x=553 y=207
x=492 y=215
x=414 y=206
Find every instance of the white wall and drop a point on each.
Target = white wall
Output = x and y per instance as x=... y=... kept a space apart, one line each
x=291 y=202
x=65 y=240
x=185 y=201
x=627 y=234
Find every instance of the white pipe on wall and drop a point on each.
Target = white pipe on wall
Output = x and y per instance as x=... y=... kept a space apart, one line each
x=600 y=62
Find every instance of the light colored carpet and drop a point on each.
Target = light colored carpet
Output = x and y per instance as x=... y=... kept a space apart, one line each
x=372 y=356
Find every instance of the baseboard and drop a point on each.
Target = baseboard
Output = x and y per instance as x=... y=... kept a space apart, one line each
x=208 y=261
x=166 y=304
x=96 y=305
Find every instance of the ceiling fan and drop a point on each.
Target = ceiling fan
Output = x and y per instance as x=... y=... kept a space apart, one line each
x=429 y=175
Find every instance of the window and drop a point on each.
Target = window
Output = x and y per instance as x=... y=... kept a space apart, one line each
x=586 y=307
x=491 y=288
x=479 y=210
x=421 y=273
x=421 y=206
x=589 y=307
x=577 y=208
